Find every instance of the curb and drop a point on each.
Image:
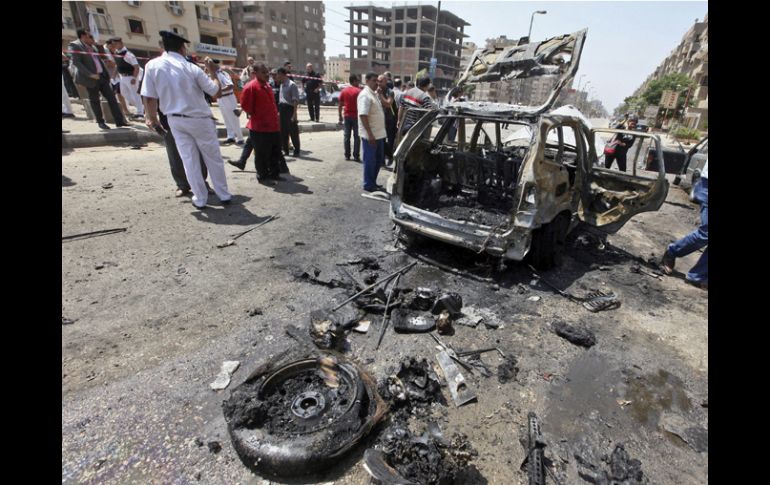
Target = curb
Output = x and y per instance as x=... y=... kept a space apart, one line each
x=138 y=136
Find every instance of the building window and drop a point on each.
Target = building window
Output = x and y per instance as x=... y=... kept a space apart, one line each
x=275 y=44
x=315 y=51
x=272 y=15
x=307 y=50
x=284 y=18
x=274 y=29
x=284 y=32
x=399 y=28
x=307 y=25
x=209 y=39
x=315 y=25
x=134 y=4
x=399 y=14
x=410 y=42
x=307 y=9
x=399 y=42
x=135 y=26
x=175 y=8
x=285 y=46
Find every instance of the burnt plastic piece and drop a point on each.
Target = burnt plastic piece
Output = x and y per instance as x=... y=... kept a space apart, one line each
x=287 y=420
x=451 y=302
x=378 y=468
x=407 y=322
x=423 y=299
x=598 y=301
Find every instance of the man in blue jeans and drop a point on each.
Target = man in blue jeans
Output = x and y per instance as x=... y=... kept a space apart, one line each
x=348 y=100
x=699 y=274
x=371 y=119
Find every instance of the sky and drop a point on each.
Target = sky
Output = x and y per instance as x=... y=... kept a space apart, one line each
x=625 y=42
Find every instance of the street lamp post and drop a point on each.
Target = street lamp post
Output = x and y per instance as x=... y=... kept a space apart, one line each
x=584 y=90
x=532 y=18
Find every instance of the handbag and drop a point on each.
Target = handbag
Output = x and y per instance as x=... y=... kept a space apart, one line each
x=609 y=148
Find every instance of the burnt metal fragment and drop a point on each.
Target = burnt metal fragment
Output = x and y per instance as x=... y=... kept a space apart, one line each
x=408 y=322
x=451 y=302
x=458 y=388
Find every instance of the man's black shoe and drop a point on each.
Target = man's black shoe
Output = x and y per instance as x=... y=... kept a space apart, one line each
x=347 y=158
x=123 y=125
x=296 y=154
x=67 y=115
x=104 y=126
x=240 y=143
x=199 y=208
x=239 y=166
x=227 y=202
x=228 y=141
x=278 y=178
x=357 y=159
x=265 y=181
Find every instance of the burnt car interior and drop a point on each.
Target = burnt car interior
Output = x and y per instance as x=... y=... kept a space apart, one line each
x=470 y=176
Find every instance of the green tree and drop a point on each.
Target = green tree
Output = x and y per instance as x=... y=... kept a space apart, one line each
x=670 y=82
x=421 y=73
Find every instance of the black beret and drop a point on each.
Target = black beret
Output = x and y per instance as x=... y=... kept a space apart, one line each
x=167 y=34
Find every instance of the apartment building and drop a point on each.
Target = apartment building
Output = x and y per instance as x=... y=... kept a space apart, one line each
x=274 y=32
x=401 y=40
x=690 y=57
x=338 y=67
x=205 y=24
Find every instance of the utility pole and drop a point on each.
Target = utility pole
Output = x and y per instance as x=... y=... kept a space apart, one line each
x=433 y=61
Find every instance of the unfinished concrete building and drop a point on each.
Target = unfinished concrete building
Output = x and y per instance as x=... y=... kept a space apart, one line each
x=401 y=40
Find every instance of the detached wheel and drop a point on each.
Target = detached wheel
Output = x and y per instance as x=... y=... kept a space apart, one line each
x=548 y=243
x=295 y=420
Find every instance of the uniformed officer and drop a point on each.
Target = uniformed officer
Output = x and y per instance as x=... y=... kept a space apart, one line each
x=228 y=106
x=180 y=86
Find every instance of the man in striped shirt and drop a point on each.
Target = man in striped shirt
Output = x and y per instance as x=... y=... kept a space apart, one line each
x=417 y=97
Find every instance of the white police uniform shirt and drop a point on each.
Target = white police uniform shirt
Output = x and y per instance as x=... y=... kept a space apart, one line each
x=179 y=85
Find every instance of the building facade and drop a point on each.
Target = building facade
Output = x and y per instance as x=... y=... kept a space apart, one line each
x=690 y=57
x=205 y=24
x=274 y=32
x=401 y=40
x=338 y=68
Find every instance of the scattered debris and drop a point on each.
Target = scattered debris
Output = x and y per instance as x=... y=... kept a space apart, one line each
x=389 y=248
x=214 y=447
x=521 y=289
x=67 y=321
x=576 y=335
x=461 y=393
x=508 y=370
x=535 y=459
x=405 y=322
x=422 y=299
x=451 y=353
x=86 y=235
x=362 y=327
x=231 y=242
x=450 y=302
x=639 y=270
x=299 y=243
x=443 y=324
x=223 y=378
x=623 y=469
x=623 y=402
x=313 y=275
x=413 y=389
x=108 y=185
x=198 y=442
x=255 y=311
x=327 y=329
x=533 y=298
x=472 y=316
x=99 y=266
x=596 y=301
x=385 y=317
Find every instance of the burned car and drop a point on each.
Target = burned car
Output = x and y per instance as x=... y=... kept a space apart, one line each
x=513 y=180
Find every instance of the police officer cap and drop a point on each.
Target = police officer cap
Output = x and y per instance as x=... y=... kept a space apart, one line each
x=167 y=34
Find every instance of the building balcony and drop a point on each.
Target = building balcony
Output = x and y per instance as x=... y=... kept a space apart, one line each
x=214 y=25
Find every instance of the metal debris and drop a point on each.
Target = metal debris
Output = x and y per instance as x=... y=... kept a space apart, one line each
x=231 y=242
x=461 y=393
x=223 y=378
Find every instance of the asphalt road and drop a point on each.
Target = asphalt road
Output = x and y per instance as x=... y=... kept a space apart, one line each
x=159 y=307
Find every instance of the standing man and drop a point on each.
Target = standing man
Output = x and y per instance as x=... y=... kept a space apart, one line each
x=180 y=86
x=112 y=69
x=288 y=103
x=417 y=97
x=699 y=274
x=387 y=98
x=372 y=128
x=228 y=106
x=349 y=101
x=247 y=75
x=621 y=142
x=130 y=74
x=91 y=73
x=257 y=100
x=312 y=89
x=397 y=92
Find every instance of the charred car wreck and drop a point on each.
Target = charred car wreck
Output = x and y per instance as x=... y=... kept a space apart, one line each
x=513 y=180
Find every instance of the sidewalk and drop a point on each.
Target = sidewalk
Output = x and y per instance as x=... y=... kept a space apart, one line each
x=82 y=132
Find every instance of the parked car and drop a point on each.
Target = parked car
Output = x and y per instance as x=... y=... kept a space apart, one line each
x=696 y=159
x=513 y=180
x=680 y=162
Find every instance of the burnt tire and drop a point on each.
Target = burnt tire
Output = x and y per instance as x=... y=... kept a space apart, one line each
x=548 y=243
x=287 y=420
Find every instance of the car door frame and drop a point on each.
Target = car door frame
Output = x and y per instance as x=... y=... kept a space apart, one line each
x=643 y=194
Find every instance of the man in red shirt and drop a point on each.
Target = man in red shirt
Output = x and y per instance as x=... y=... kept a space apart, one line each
x=258 y=101
x=349 y=100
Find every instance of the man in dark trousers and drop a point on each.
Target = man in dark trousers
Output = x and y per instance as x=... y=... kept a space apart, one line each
x=312 y=92
x=349 y=101
x=288 y=103
x=257 y=100
x=91 y=73
x=621 y=143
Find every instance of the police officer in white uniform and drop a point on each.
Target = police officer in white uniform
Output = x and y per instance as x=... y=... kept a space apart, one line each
x=227 y=106
x=130 y=74
x=180 y=86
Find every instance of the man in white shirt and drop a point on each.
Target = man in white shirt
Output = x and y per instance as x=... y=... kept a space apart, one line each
x=180 y=86
x=228 y=106
x=130 y=74
x=371 y=126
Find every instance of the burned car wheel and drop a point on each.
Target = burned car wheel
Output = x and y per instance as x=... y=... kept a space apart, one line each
x=548 y=243
x=302 y=416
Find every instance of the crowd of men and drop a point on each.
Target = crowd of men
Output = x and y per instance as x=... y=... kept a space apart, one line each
x=176 y=92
